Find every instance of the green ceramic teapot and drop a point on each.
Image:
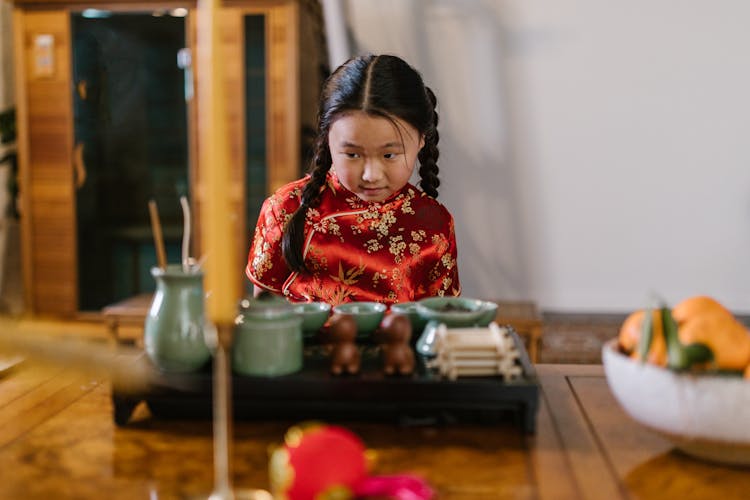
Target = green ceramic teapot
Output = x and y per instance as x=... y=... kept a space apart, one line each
x=267 y=337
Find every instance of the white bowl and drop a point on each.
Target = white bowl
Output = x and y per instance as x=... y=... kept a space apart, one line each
x=707 y=416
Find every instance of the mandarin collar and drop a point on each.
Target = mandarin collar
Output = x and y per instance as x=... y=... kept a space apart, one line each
x=338 y=187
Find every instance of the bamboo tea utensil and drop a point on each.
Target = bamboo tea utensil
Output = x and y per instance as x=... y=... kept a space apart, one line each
x=186 y=223
x=161 y=255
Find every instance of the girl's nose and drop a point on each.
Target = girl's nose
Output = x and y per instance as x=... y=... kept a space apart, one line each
x=373 y=172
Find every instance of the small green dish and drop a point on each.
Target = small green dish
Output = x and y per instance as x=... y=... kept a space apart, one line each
x=417 y=321
x=368 y=315
x=314 y=315
x=457 y=311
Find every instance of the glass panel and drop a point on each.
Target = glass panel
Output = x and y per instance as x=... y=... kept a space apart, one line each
x=131 y=120
x=255 y=116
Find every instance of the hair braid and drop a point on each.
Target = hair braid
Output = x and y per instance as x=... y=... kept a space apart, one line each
x=384 y=86
x=293 y=239
x=429 y=154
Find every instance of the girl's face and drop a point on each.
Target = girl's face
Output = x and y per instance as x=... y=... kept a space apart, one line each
x=373 y=157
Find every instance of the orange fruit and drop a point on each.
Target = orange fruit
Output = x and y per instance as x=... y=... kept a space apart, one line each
x=703 y=319
x=630 y=331
x=698 y=306
x=727 y=338
x=630 y=335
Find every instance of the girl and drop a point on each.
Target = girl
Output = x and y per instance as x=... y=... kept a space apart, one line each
x=354 y=229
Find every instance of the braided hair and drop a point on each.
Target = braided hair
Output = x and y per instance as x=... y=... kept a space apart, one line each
x=379 y=85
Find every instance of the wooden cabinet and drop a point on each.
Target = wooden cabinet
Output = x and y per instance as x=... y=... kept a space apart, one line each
x=51 y=162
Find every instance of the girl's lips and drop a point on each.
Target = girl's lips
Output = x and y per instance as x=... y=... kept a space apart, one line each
x=373 y=191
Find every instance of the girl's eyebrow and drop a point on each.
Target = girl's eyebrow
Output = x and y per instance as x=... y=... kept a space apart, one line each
x=347 y=144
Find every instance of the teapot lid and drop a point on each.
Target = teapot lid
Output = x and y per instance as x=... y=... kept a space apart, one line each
x=264 y=306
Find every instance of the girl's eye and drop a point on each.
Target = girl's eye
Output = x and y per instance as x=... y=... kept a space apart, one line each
x=390 y=156
x=352 y=155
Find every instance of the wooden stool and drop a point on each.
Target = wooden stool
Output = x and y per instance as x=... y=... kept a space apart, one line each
x=131 y=312
x=525 y=319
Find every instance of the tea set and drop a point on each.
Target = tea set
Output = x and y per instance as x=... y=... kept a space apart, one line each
x=270 y=333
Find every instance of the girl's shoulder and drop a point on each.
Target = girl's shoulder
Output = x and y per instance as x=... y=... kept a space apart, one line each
x=426 y=205
x=289 y=195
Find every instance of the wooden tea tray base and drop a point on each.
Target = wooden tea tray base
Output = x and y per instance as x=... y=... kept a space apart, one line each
x=423 y=398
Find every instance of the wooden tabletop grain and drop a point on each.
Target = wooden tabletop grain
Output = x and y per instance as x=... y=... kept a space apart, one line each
x=58 y=440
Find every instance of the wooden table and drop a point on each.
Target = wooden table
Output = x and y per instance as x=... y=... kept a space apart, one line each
x=526 y=320
x=58 y=440
x=132 y=312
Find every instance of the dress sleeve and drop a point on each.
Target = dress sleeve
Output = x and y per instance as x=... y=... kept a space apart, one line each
x=443 y=277
x=265 y=263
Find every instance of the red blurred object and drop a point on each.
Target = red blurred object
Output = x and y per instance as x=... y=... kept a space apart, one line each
x=318 y=461
x=396 y=487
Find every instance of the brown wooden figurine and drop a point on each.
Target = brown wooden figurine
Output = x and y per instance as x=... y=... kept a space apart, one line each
x=398 y=356
x=342 y=333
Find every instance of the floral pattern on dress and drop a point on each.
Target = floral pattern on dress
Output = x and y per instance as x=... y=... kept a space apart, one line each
x=398 y=250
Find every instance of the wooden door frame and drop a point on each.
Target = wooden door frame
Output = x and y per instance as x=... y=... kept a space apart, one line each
x=282 y=119
x=35 y=96
x=282 y=106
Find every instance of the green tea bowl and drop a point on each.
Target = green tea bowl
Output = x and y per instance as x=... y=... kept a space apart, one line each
x=457 y=311
x=314 y=315
x=368 y=315
x=409 y=309
x=490 y=313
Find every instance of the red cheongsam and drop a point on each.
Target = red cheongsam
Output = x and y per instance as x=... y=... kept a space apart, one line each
x=398 y=250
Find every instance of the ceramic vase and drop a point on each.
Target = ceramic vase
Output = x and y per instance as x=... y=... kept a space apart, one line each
x=173 y=332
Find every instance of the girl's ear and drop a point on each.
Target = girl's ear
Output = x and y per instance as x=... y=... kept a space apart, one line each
x=421 y=142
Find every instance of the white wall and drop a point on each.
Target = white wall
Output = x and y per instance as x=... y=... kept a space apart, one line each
x=592 y=152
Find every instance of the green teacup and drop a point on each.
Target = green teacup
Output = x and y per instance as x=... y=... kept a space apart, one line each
x=368 y=315
x=314 y=315
x=417 y=321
